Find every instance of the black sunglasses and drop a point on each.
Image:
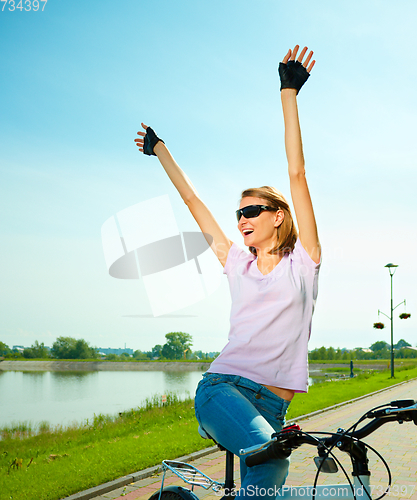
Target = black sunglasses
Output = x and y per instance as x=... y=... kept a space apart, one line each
x=252 y=211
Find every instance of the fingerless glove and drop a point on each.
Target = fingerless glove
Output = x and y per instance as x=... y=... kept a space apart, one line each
x=293 y=75
x=150 y=141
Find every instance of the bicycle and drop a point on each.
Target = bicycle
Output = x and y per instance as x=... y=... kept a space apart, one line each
x=288 y=439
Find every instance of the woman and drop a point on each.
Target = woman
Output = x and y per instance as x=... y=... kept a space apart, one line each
x=244 y=396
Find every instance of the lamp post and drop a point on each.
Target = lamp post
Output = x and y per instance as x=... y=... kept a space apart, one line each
x=392 y=268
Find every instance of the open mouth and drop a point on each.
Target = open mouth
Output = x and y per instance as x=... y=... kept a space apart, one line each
x=246 y=232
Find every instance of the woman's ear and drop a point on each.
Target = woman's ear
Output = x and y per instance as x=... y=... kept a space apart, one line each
x=279 y=217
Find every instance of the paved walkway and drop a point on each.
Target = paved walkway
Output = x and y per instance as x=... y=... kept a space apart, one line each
x=398 y=445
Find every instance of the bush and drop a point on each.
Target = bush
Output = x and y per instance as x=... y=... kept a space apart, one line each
x=70 y=348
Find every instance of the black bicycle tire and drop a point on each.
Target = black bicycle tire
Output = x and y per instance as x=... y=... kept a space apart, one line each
x=174 y=493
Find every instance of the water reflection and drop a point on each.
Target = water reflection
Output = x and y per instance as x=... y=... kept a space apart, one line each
x=33 y=374
x=73 y=375
x=65 y=397
x=179 y=381
x=315 y=380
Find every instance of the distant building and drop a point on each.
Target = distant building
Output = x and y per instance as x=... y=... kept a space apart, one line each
x=119 y=351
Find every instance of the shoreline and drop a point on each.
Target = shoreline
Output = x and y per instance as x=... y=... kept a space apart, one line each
x=91 y=366
x=174 y=366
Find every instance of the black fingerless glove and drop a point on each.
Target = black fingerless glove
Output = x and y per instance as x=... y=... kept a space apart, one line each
x=293 y=75
x=150 y=141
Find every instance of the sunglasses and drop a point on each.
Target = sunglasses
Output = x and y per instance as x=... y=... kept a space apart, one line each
x=252 y=211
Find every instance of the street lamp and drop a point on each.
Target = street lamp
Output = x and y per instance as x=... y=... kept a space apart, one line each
x=392 y=268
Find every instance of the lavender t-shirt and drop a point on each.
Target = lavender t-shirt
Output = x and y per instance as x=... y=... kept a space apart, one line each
x=270 y=320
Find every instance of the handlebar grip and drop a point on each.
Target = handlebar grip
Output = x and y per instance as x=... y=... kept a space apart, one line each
x=262 y=456
x=403 y=403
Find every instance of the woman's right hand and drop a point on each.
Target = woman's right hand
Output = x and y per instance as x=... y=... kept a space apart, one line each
x=294 y=74
x=149 y=141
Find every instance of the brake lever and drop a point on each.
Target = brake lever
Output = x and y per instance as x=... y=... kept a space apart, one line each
x=389 y=411
x=256 y=447
x=284 y=432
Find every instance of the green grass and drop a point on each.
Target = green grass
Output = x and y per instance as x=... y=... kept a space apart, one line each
x=57 y=463
x=345 y=370
x=340 y=369
x=324 y=394
x=398 y=362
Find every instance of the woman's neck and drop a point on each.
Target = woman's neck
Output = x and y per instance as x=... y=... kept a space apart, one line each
x=266 y=261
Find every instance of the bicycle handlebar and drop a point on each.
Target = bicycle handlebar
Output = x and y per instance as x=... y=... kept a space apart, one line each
x=289 y=438
x=278 y=449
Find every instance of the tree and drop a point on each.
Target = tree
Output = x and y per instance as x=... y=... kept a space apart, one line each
x=70 y=348
x=141 y=355
x=379 y=346
x=63 y=348
x=83 y=350
x=4 y=349
x=331 y=353
x=318 y=354
x=405 y=353
x=177 y=344
x=36 y=351
x=156 y=351
x=401 y=343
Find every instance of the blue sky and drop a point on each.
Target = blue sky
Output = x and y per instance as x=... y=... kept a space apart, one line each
x=79 y=77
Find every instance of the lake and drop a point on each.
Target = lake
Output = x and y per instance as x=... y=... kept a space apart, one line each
x=66 y=397
x=63 y=397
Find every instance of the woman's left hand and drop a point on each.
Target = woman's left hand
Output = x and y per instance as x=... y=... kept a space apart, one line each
x=149 y=141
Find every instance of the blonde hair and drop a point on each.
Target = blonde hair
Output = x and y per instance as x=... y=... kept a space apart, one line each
x=286 y=231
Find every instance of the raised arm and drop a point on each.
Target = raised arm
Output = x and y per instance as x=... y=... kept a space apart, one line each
x=220 y=244
x=293 y=75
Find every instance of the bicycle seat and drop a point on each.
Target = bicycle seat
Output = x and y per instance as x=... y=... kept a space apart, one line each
x=203 y=433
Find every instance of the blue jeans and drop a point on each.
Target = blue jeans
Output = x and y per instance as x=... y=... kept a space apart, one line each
x=239 y=413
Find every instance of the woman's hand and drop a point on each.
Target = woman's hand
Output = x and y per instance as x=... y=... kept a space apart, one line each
x=149 y=141
x=139 y=142
x=294 y=73
x=291 y=55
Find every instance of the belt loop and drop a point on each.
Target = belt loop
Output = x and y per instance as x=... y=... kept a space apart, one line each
x=237 y=379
